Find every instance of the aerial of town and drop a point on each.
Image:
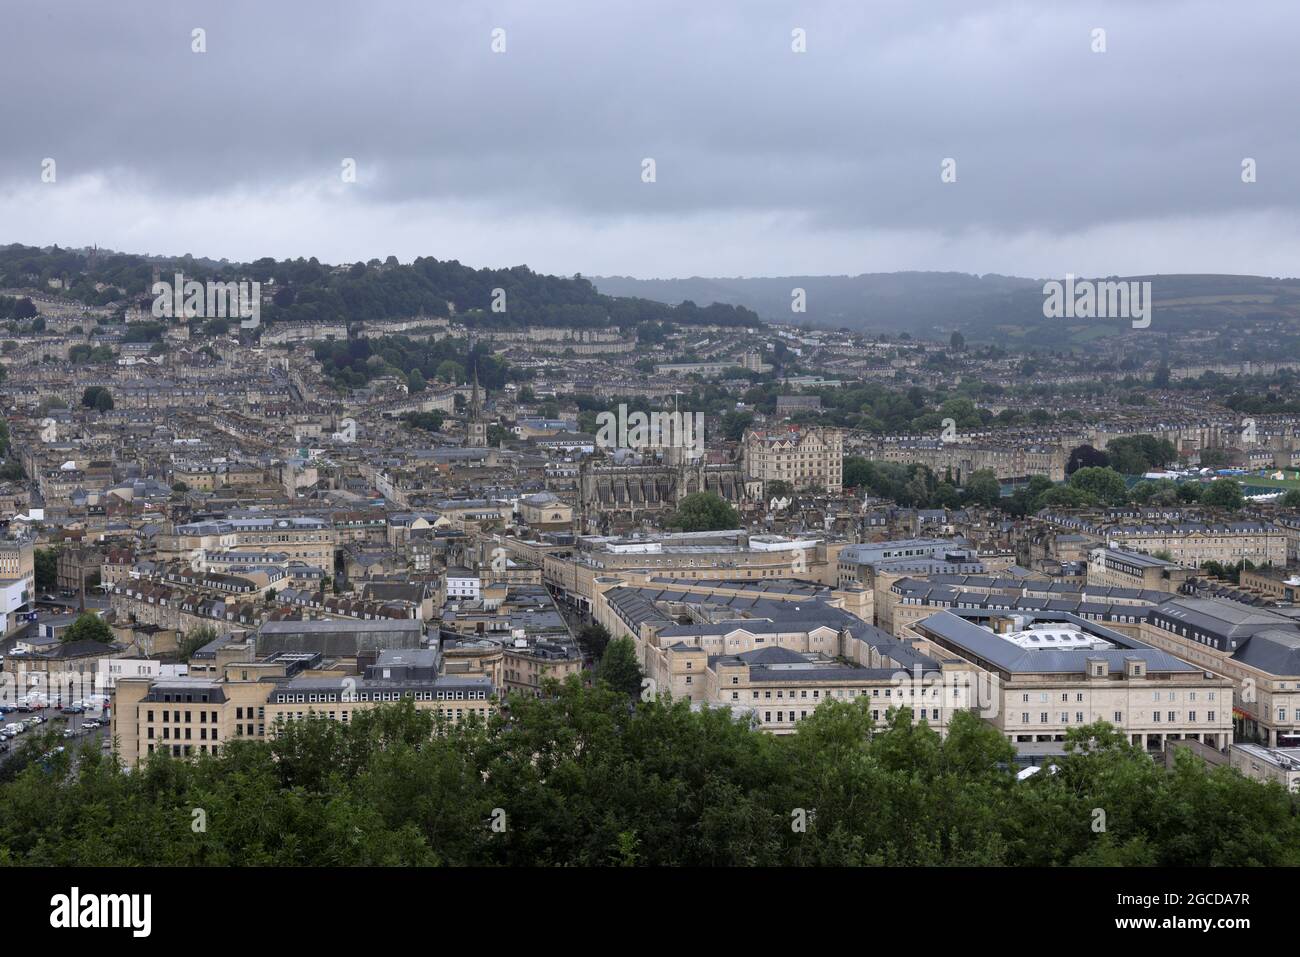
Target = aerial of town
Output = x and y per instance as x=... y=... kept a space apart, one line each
x=322 y=547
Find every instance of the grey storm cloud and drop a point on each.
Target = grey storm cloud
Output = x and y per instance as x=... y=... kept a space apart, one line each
x=767 y=160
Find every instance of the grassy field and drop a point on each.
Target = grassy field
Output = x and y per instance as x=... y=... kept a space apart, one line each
x=1267 y=482
x=1253 y=481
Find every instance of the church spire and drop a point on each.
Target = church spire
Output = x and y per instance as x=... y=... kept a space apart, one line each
x=477 y=428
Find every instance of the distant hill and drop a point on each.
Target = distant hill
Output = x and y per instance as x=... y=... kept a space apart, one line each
x=982 y=307
x=311 y=291
x=898 y=300
x=990 y=308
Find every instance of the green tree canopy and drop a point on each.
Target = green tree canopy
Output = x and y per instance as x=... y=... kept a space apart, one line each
x=585 y=780
x=619 y=667
x=1103 y=485
x=88 y=627
x=46 y=561
x=425 y=421
x=594 y=638
x=1085 y=456
x=1136 y=454
x=195 y=639
x=1223 y=493
x=703 y=512
x=983 y=488
x=98 y=398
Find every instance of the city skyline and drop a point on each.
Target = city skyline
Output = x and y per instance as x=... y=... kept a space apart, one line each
x=776 y=437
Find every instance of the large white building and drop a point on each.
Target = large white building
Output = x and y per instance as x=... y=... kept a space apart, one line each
x=1089 y=673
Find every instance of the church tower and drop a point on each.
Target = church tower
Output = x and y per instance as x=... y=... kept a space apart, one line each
x=476 y=431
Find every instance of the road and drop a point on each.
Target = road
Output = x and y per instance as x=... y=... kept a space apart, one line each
x=575 y=620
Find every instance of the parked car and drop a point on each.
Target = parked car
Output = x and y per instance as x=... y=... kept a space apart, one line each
x=73 y=709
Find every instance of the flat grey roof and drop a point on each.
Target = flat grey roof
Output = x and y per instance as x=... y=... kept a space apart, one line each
x=966 y=635
x=415 y=657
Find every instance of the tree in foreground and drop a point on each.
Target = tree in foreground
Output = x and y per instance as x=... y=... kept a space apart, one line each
x=577 y=778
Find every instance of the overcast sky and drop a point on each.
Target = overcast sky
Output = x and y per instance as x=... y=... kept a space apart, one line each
x=768 y=161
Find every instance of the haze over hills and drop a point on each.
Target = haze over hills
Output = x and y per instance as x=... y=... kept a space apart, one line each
x=1261 y=314
x=982 y=307
x=897 y=300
